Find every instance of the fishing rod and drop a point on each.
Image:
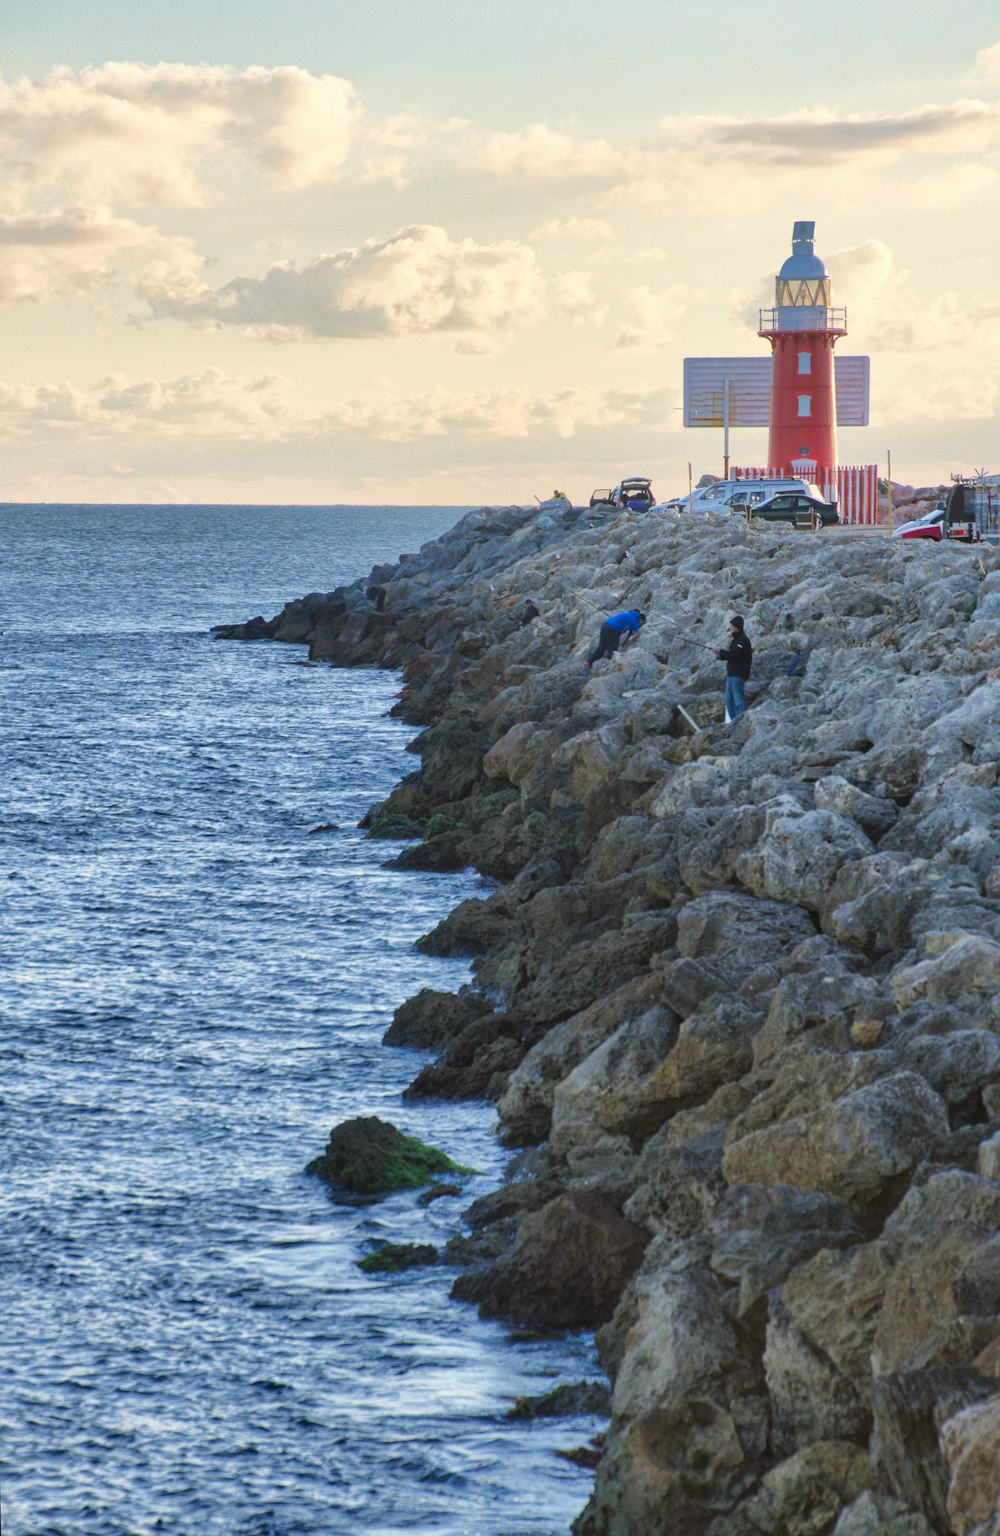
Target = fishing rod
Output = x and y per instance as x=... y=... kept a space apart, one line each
x=687 y=635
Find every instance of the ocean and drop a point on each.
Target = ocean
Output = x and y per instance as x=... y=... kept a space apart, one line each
x=194 y=983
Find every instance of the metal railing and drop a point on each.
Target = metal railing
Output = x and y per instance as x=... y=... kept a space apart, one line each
x=811 y=317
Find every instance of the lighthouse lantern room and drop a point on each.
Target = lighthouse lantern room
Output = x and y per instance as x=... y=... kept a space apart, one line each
x=803 y=329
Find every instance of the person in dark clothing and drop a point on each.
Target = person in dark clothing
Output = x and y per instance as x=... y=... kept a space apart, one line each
x=738 y=656
x=528 y=613
x=376 y=595
x=613 y=632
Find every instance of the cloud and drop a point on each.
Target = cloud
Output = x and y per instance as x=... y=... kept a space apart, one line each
x=988 y=63
x=952 y=398
x=67 y=252
x=210 y=403
x=205 y=405
x=576 y=299
x=652 y=315
x=390 y=145
x=23 y=406
x=960 y=185
x=147 y=132
x=684 y=162
x=417 y=282
x=884 y=307
x=574 y=229
x=411 y=130
x=820 y=136
x=540 y=153
x=213 y=405
x=392 y=170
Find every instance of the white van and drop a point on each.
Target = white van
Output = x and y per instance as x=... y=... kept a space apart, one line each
x=729 y=496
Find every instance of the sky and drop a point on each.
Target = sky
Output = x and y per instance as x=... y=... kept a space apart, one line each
x=437 y=251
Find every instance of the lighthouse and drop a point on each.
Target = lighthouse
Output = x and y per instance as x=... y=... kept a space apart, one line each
x=803 y=330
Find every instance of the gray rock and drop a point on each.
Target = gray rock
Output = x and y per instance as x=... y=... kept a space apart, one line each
x=850 y=1148
x=567 y=1269
x=876 y=1514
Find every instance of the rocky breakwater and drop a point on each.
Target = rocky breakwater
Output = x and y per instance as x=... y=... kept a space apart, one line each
x=736 y=994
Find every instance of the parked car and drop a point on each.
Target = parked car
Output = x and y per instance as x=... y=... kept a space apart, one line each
x=745 y=499
x=930 y=526
x=728 y=496
x=796 y=507
x=636 y=493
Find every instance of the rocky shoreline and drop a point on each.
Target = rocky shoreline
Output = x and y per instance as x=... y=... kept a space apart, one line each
x=735 y=992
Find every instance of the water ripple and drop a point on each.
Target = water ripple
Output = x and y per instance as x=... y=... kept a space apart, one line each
x=194 y=990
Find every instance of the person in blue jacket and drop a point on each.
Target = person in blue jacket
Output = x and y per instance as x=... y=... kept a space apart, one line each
x=613 y=631
x=738 y=656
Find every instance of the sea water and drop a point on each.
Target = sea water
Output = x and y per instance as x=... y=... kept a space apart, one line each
x=194 y=983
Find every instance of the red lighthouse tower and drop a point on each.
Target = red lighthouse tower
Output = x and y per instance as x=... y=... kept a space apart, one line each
x=803 y=330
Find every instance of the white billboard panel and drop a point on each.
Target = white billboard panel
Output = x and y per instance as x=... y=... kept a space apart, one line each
x=851 y=377
x=721 y=391
x=736 y=391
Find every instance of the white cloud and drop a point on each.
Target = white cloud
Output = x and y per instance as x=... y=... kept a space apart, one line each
x=393 y=170
x=988 y=63
x=575 y=298
x=412 y=130
x=951 y=398
x=213 y=405
x=573 y=229
x=415 y=283
x=651 y=316
x=23 y=406
x=389 y=146
x=962 y=185
x=209 y=405
x=67 y=252
x=885 y=308
x=821 y=136
x=684 y=164
x=540 y=153
x=146 y=133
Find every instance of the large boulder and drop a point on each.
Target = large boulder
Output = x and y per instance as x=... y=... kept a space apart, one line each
x=851 y=1148
x=526 y=1104
x=820 y=1334
x=567 y=1269
x=803 y=1495
x=970 y=1442
x=799 y=854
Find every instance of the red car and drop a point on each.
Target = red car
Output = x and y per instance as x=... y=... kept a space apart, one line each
x=930 y=526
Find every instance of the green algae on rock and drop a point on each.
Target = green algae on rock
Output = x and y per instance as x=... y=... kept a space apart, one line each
x=394 y=1258
x=368 y=1156
x=565 y=1401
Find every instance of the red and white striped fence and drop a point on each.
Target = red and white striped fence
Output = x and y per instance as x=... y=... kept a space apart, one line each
x=854 y=487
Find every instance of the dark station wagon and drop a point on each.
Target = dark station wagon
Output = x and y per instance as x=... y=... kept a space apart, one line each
x=793 y=507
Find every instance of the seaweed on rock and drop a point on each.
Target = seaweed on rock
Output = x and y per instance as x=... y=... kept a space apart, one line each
x=368 y=1156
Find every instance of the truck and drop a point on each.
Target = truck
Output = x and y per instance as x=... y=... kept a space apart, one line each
x=972 y=508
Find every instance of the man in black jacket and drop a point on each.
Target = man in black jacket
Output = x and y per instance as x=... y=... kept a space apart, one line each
x=738 y=658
